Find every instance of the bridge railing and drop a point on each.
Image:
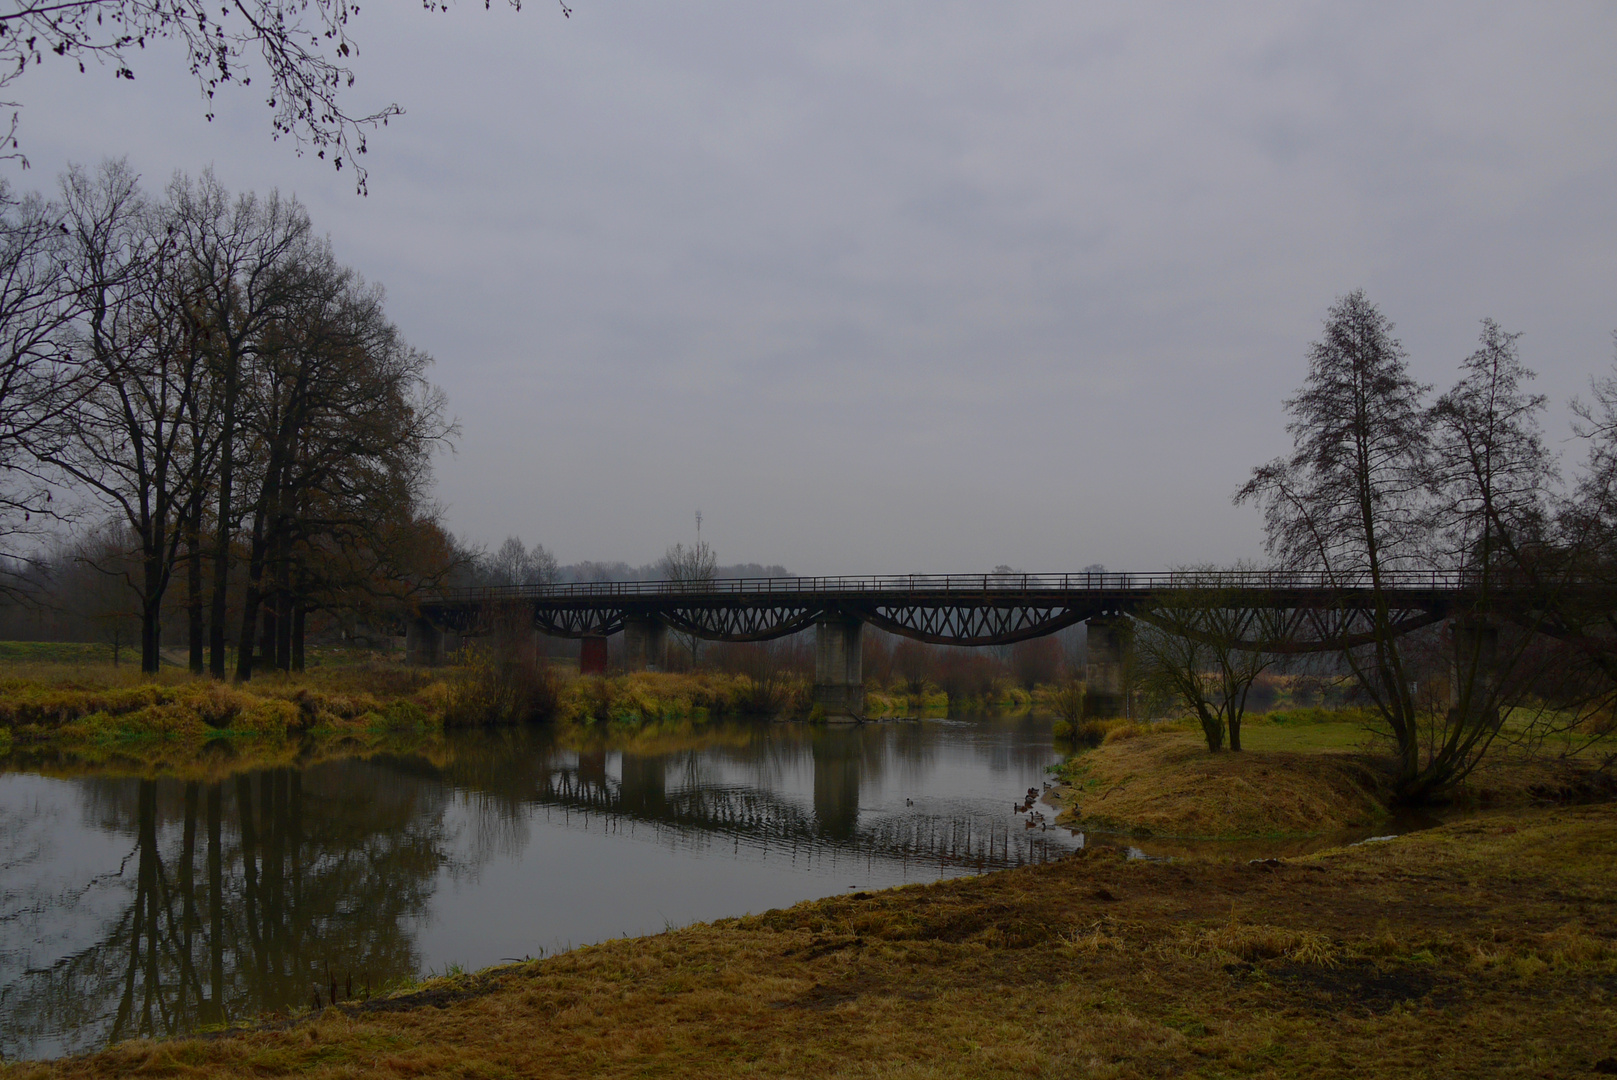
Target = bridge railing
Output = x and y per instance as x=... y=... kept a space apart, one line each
x=963 y=584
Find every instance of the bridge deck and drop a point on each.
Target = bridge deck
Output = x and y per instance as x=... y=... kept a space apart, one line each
x=960 y=609
x=965 y=587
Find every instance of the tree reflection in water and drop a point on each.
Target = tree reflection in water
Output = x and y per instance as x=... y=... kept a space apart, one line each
x=304 y=877
x=245 y=895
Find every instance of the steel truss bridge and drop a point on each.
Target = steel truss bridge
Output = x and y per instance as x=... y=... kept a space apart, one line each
x=1320 y=610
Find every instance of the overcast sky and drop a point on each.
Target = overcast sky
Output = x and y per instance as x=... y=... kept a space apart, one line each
x=922 y=287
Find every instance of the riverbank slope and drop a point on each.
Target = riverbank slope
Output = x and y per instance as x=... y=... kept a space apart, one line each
x=1316 y=778
x=1483 y=947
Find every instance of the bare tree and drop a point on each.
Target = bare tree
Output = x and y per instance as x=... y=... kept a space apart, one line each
x=1349 y=501
x=304 y=47
x=690 y=568
x=517 y=564
x=1202 y=644
x=37 y=377
x=1492 y=476
x=143 y=364
x=1575 y=574
x=94 y=581
x=243 y=252
x=346 y=422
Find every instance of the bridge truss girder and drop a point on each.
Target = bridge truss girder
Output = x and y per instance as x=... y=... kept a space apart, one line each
x=741 y=623
x=973 y=625
x=576 y=622
x=1310 y=630
x=952 y=620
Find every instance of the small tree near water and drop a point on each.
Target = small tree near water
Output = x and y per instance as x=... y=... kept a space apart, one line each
x=1196 y=644
x=693 y=568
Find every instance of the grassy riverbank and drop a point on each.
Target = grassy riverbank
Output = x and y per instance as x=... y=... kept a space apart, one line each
x=1299 y=775
x=82 y=706
x=1480 y=948
x=1167 y=784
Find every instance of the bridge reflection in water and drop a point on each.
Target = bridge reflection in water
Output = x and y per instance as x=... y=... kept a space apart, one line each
x=154 y=906
x=639 y=795
x=744 y=793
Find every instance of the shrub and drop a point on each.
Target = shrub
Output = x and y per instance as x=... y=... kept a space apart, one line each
x=494 y=690
x=1067 y=701
x=218 y=705
x=1123 y=729
x=403 y=715
x=1092 y=732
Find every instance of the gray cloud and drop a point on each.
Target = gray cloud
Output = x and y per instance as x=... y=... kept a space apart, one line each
x=925 y=286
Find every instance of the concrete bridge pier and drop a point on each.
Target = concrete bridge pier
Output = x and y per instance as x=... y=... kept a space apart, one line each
x=645 y=644
x=839 y=674
x=1110 y=654
x=592 y=656
x=423 y=643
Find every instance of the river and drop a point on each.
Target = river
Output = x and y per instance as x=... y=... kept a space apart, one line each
x=137 y=906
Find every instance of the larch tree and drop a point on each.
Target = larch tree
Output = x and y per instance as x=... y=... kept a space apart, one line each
x=1492 y=478
x=1348 y=503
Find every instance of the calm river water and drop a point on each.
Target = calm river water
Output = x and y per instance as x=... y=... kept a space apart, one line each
x=132 y=907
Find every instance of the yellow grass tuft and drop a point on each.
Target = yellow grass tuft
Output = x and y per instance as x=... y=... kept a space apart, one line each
x=1254 y=942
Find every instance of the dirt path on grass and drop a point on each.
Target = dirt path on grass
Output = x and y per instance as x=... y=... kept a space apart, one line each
x=1482 y=948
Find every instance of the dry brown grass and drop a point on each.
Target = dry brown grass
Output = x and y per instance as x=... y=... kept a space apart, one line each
x=658 y=697
x=65 y=718
x=1168 y=784
x=1484 y=948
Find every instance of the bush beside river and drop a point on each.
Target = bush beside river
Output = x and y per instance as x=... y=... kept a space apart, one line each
x=99 y=702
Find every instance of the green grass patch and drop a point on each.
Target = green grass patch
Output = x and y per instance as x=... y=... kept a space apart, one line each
x=64 y=652
x=1328 y=733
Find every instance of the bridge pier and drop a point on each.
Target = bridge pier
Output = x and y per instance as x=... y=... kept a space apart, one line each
x=592 y=656
x=645 y=644
x=839 y=678
x=423 y=643
x=1476 y=650
x=1109 y=654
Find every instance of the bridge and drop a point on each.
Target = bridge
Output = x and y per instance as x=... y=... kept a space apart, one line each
x=1322 y=610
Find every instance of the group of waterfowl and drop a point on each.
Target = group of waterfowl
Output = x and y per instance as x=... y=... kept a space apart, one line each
x=1035 y=818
